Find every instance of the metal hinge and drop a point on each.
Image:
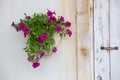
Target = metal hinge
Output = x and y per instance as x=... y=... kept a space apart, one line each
x=109 y=48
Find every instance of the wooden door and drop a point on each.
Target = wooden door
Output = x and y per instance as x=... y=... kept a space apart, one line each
x=107 y=34
x=13 y=60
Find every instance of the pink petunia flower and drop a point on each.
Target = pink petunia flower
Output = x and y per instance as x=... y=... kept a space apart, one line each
x=49 y=21
x=29 y=59
x=49 y=13
x=44 y=37
x=41 y=55
x=21 y=26
x=69 y=32
x=13 y=24
x=54 y=49
x=54 y=13
x=35 y=65
x=68 y=24
x=28 y=17
x=53 y=18
x=26 y=31
x=62 y=19
x=39 y=41
x=17 y=29
x=58 y=28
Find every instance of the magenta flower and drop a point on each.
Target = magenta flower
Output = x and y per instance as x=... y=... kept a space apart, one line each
x=53 y=18
x=49 y=13
x=21 y=26
x=28 y=17
x=29 y=59
x=26 y=31
x=69 y=32
x=54 y=13
x=44 y=37
x=68 y=24
x=54 y=49
x=35 y=65
x=40 y=41
x=41 y=55
x=13 y=24
x=17 y=29
x=49 y=21
x=58 y=28
x=62 y=19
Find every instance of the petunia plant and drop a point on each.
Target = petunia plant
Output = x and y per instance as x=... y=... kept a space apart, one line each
x=40 y=29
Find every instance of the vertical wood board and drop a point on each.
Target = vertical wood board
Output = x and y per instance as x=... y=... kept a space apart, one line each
x=84 y=38
x=115 y=38
x=101 y=38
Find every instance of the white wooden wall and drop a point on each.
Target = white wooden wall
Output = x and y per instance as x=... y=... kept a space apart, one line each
x=75 y=62
x=107 y=34
x=13 y=60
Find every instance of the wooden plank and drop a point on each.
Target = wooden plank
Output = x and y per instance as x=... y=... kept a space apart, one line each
x=84 y=39
x=82 y=6
x=83 y=52
x=101 y=38
x=115 y=38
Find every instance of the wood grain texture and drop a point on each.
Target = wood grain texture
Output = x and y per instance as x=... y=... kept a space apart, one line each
x=101 y=38
x=84 y=38
x=59 y=66
x=115 y=38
